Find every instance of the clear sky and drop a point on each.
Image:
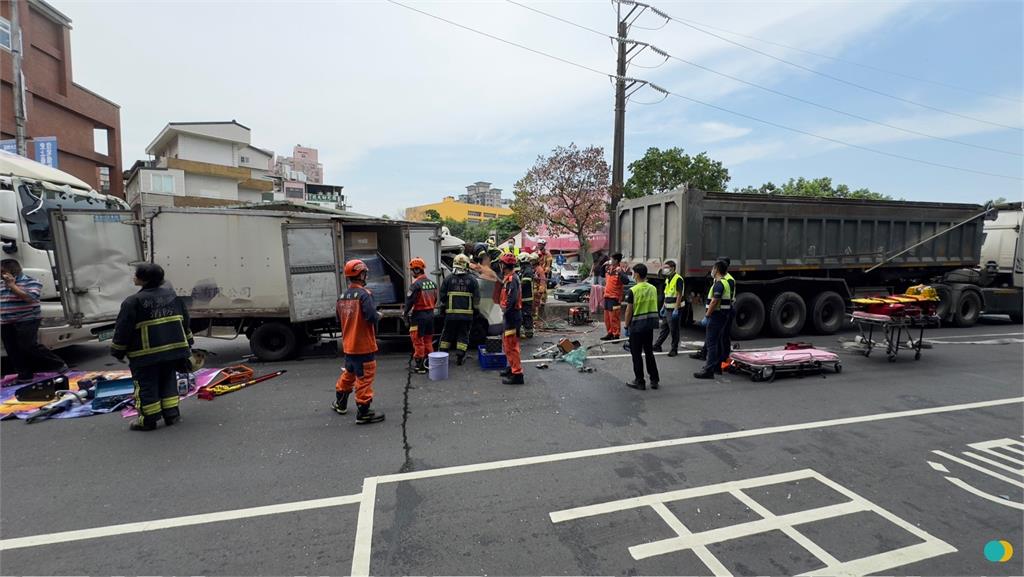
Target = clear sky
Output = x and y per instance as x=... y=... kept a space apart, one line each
x=406 y=109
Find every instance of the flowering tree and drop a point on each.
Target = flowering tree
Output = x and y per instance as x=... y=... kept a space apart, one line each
x=568 y=191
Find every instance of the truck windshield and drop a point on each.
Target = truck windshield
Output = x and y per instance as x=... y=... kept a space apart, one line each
x=37 y=203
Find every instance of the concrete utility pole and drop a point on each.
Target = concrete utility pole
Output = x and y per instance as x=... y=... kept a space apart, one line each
x=19 y=81
x=623 y=88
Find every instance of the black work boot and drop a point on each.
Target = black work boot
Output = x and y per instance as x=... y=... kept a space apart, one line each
x=171 y=416
x=608 y=337
x=699 y=356
x=506 y=372
x=366 y=416
x=513 y=379
x=657 y=348
x=704 y=374
x=674 y=352
x=420 y=367
x=340 y=404
x=460 y=358
x=143 y=424
x=655 y=384
x=638 y=385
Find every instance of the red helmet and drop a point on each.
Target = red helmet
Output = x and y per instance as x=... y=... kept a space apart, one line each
x=509 y=259
x=354 y=267
x=418 y=263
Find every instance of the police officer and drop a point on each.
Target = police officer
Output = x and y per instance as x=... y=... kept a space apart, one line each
x=459 y=300
x=715 y=317
x=419 y=313
x=702 y=354
x=152 y=330
x=527 y=276
x=641 y=319
x=672 y=308
x=358 y=316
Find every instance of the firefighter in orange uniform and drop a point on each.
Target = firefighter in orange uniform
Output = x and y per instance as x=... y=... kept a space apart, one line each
x=512 y=311
x=358 y=316
x=614 y=289
x=543 y=271
x=419 y=313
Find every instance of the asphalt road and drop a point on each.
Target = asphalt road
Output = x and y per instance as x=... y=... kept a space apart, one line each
x=467 y=476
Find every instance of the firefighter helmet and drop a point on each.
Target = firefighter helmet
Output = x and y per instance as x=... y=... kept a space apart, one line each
x=479 y=249
x=542 y=242
x=418 y=263
x=524 y=257
x=354 y=267
x=508 y=259
x=461 y=262
x=534 y=257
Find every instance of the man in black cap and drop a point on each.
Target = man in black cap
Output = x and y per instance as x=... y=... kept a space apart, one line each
x=719 y=305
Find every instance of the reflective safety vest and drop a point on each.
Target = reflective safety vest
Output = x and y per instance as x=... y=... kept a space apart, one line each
x=645 y=301
x=727 y=289
x=672 y=289
x=152 y=328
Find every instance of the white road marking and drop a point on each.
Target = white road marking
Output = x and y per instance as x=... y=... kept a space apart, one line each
x=616 y=449
x=995 y=464
x=944 y=337
x=364 y=529
x=988 y=496
x=1011 y=445
x=931 y=546
x=938 y=467
x=988 y=472
x=158 y=524
x=712 y=562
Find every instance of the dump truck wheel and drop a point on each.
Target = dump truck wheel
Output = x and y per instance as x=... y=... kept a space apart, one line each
x=749 y=317
x=787 y=314
x=273 y=341
x=828 y=312
x=967 y=310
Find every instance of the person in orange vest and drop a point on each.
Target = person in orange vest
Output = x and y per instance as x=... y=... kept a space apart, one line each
x=512 y=311
x=358 y=316
x=419 y=313
x=614 y=288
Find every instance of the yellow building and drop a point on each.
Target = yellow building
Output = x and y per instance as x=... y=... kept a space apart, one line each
x=455 y=210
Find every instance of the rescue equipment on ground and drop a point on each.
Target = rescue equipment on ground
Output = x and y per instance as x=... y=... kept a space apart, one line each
x=800 y=360
x=209 y=392
x=579 y=316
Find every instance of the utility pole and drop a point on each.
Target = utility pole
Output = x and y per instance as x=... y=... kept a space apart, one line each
x=624 y=88
x=19 y=81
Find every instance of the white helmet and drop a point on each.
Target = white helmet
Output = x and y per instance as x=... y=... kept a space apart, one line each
x=542 y=242
x=524 y=257
x=461 y=262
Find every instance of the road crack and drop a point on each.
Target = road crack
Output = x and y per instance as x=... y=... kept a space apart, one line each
x=407 y=465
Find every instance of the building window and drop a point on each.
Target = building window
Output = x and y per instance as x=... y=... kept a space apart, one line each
x=473 y=220
x=268 y=197
x=490 y=215
x=473 y=213
x=104 y=174
x=5 y=33
x=245 y=160
x=163 y=183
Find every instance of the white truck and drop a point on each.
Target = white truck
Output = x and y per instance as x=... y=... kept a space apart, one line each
x=1002 y=263
x=83 y=290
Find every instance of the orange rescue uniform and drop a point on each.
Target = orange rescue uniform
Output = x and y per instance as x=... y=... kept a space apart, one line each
x=419 y=309
x=614 y=290
x=512 y=309
x=358 y=316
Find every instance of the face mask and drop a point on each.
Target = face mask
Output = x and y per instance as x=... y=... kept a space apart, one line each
x=667 y=271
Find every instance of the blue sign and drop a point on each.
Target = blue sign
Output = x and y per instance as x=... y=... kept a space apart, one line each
x=9 y=146
x=46 y=150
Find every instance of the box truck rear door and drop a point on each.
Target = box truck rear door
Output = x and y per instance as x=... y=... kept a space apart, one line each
x=96 y=251
x=426 y=244
x=312 y=263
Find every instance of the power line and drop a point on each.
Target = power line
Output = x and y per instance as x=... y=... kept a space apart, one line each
x=667 y=16
x=709 y=105
x=666 y=55
x=853 y=62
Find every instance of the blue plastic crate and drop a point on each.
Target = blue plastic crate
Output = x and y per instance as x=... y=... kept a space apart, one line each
x=490 y=361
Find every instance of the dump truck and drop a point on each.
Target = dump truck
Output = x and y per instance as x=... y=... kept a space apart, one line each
x=798 y=261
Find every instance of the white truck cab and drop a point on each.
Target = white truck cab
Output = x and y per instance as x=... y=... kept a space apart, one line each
x=42 y=213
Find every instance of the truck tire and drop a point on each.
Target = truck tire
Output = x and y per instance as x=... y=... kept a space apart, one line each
x=273 y=341
x=967 y=310
x=828 y=311
x=1017 y=318
x=787 y=314
x=749 y=318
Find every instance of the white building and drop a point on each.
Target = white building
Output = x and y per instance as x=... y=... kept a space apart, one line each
x=202 y=164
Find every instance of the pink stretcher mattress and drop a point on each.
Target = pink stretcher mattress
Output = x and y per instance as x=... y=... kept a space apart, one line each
x=787 y=357
x=871 y=316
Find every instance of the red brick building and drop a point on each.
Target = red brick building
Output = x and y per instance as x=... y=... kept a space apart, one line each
x=54 y=104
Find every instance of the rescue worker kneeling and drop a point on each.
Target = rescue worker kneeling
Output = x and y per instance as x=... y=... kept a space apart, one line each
x=419 y=314
x=512 y=311
x=152 y=330
x=460 y=299
x=358 y=316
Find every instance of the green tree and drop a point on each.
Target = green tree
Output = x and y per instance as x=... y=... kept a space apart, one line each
x=662 y=171
x=815 y=188
x=432 y=215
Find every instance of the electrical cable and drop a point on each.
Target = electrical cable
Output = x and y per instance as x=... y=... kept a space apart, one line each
x=713 y=106
x=665 y=15
x=666 y=55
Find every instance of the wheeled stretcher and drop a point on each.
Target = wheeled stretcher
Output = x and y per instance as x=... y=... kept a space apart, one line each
x=898 y=332
x=766 y=365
